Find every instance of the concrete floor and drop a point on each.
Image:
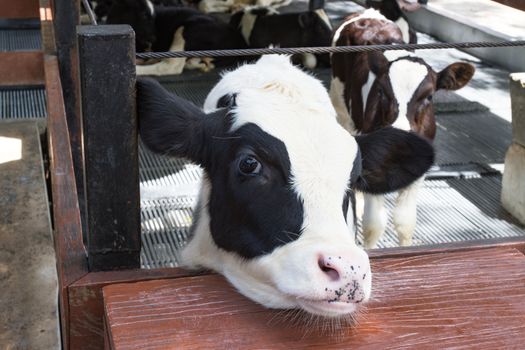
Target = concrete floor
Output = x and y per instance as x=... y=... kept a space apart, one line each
x=28 y=281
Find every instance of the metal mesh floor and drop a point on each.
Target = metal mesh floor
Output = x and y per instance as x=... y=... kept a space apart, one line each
x=20 y=39
x=449 y=210
x=23 y=103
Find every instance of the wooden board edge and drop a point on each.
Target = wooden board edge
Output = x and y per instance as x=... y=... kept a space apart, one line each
x=70 y=252
x=508 y=242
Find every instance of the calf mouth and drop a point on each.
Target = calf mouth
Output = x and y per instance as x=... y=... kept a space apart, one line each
x=330 y=308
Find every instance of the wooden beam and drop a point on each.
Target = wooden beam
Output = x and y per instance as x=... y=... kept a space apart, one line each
x=70 y=252
x=21 y=68
x=65 y=18
x=110 y=140
x=19 y=9
x=87 y=307
x=468 y=299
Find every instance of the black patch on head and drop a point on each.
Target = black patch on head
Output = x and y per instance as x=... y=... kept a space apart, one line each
x=252 y=215
x=350 y=194
x=227 y=101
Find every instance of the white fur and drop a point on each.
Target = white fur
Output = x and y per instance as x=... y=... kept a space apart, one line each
x=247 y=23
x=404 y=214
x=337 y=89
x=151 y=8
x=309 y=60
x=365 y=89
x=295 y=108
x=322 y=14
x=405 y=77
x=374 y=219
x=403 y=25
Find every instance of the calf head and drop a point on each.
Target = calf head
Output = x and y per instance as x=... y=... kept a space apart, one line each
x=140 y=15
x=403 y=89
x=274 y=213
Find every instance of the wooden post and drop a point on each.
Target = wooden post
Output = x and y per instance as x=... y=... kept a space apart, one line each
x=107 y=85
x=66 y=16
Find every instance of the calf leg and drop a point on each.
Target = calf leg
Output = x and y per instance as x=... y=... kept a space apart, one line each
x=168 y=66
x=404 y=214
x=374 y=219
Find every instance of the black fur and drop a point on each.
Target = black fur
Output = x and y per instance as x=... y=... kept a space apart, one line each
x=392 y=159
x=287 y=30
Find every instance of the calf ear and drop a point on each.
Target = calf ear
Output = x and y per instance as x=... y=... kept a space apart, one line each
x=392 y=159
x=169 y=124
x=455 y=76
x=378 y=63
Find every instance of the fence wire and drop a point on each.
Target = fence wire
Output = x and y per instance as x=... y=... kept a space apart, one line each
x=328 y=49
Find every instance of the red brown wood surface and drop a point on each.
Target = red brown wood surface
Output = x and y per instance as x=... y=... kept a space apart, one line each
x=517 y=4
x=70 y=252
x=21 y=68
x=86 y=306
x=473 y=299
x=19 y=9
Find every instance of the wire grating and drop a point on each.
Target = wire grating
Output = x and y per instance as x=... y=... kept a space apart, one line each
x=20 y=39
x=23 y=103
x=450 y=210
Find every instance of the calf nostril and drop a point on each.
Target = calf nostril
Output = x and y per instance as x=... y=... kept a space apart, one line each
x=328 y=269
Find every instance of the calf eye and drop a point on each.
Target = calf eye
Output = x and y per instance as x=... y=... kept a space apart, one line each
x=429 y=97
x=248 y=165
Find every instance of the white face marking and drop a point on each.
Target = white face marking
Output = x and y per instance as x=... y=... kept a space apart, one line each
x=322 y=14
x=150 y=7
x=369 y=13
x=337 y=89
x=403 y=25
x=365 y=90
x=295 y=108
x=405 y=77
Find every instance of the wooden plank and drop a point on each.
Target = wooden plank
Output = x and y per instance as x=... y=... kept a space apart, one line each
x=86 y=307
x=19 y=9
x=517 y=4
x=21 y=68
x=468 y=299
x=396 y=252
x=65 y=18
x=110 y=141
x=70 y=252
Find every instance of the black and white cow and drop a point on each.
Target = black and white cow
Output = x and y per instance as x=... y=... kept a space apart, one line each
x=275 y=213
x=166 y=28
x=210 y=6
x=102 y=7
x=375 y=90
x=263 y=27
x=393 y=10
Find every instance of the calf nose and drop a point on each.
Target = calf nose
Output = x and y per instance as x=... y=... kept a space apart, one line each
x=346 y=277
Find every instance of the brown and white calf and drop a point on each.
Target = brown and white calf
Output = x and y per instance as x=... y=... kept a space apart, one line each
x=275 y=213
x=375 y=90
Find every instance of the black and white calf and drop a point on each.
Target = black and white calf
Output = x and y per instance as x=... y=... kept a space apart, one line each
x=375 y=90
x=263 y=27
x=208 y=6
x=393 y=10
x=166 y=28
x=275 y=213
